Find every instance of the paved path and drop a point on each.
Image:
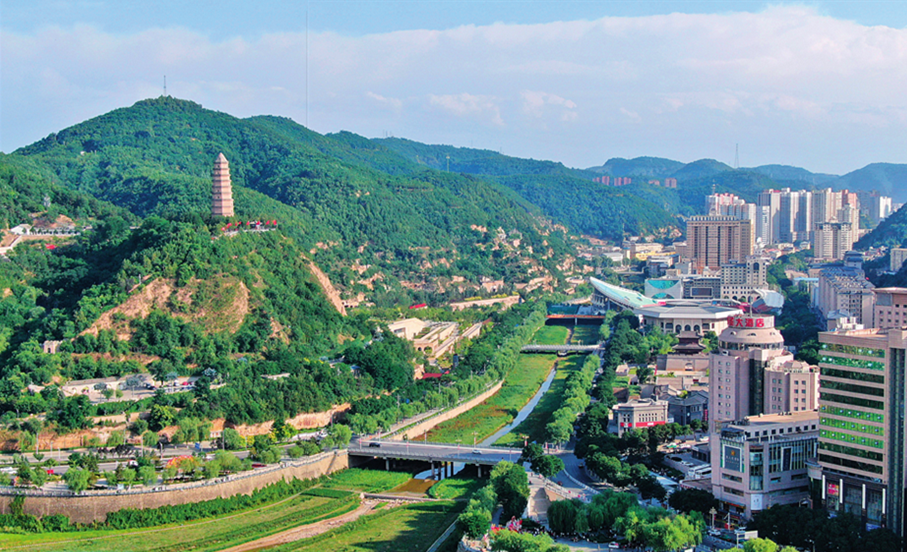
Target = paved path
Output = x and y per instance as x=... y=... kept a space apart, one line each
x=307 y=531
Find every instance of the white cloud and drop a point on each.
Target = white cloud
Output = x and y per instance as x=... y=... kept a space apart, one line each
x=784 y=81
x=468 y=105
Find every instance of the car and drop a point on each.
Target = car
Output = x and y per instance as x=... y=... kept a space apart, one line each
x=374 y=445
x=476 y=451
x=613 y=546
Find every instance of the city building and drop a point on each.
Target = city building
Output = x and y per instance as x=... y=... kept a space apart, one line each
x=715 y=240
x=693 y=405
x=221 y=190
x=741 y=279
x=898 y=256
x=890 y=309
x=607 y=296
x=861 y=457
x=878 y=207
x=752 y=373
x=640 y=413
x=670 y=183
x=688 y=286
x=686 y=316
x=761 y=461
x=831 y=240
x=844 y=289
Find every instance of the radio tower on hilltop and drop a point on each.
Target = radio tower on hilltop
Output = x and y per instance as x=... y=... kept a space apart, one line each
x=221 y=190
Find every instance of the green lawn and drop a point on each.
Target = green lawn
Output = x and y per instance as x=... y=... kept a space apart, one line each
x=584 y=335
x=456 y=487
x=412 y=527
x=322 y=502
x=551 y=335
x=534 y=425
x=500 y=409
x=203 y=535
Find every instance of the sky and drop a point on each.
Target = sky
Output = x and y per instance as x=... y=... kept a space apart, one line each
x=821 y=85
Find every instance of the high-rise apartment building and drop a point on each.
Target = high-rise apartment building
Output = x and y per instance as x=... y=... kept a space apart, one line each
x=844 y=289
x=221 y=189
x=715 y=240
x=770 y=201
x=890 y=309
x=862 y=399
x=897 y=257
x=831 y=240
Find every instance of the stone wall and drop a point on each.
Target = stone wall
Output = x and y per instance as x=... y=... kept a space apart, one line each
x=94 y=506
x=429 y=423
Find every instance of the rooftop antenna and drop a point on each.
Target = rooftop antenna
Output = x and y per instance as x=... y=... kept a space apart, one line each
x=165 y=85
x=736 y=156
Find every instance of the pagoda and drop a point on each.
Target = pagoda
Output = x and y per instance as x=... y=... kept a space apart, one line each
x=221 y=190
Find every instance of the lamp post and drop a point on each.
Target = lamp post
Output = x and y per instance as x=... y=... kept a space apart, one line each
x=713 y=512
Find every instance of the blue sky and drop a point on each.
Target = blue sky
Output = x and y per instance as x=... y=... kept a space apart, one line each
x=817 y=84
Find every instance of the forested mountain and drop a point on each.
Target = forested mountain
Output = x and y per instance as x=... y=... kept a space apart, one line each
x=363 y=212
x=891 y=232
x=566 y=195
x=794 y=176
x=887 y=178
x=700 y=169
x=649 y=167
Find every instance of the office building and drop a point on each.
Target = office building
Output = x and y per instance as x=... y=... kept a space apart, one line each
x=761 y=461
x=862 y=430
x=715 y=240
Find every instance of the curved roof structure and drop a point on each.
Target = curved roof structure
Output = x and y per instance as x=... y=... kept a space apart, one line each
x=688 y=308
x=627 y=298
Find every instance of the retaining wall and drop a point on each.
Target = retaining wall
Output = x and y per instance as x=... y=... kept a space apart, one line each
x=429 y=423
x=94 y=506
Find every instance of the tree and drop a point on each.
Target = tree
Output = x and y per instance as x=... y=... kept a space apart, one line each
x=232 y=440
x=73 y=413
x=147 y=475
x=511 y=541
x=692 y=500
x=150 y=439
x=161 y=416
x=341 y=434
x=547 y=465
x=77 y=479
x=38 y=476
x=531 y=452
x=511 y=485
x=474 y=522
x=126 y=476
x=760 y=545
x=27 y=441
x=643 y=373
x=562 y=515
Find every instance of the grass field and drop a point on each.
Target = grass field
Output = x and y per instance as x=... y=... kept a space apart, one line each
x=499 y=410
x=217 y=533
x=410 y=527
x=534 y=425
x=584 y=335
x=456 y=487
x=551 y=335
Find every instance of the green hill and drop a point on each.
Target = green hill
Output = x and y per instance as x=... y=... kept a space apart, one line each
x=891 y=232
x=887 y=178
x=699 y=169
x=648 y=167
x=349 y=203
x=795 y=176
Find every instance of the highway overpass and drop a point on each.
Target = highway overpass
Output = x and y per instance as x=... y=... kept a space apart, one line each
x=441 y=456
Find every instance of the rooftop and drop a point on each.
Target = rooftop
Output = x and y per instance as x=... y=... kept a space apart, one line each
x=622 y=296
x=687 y=309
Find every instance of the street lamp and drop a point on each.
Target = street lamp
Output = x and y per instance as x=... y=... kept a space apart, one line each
x=713 y=512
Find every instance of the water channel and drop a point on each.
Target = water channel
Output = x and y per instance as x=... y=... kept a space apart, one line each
x=521 y=415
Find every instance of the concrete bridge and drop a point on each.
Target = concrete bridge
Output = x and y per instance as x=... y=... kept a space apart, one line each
x=441 y=456
x=559 y=348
